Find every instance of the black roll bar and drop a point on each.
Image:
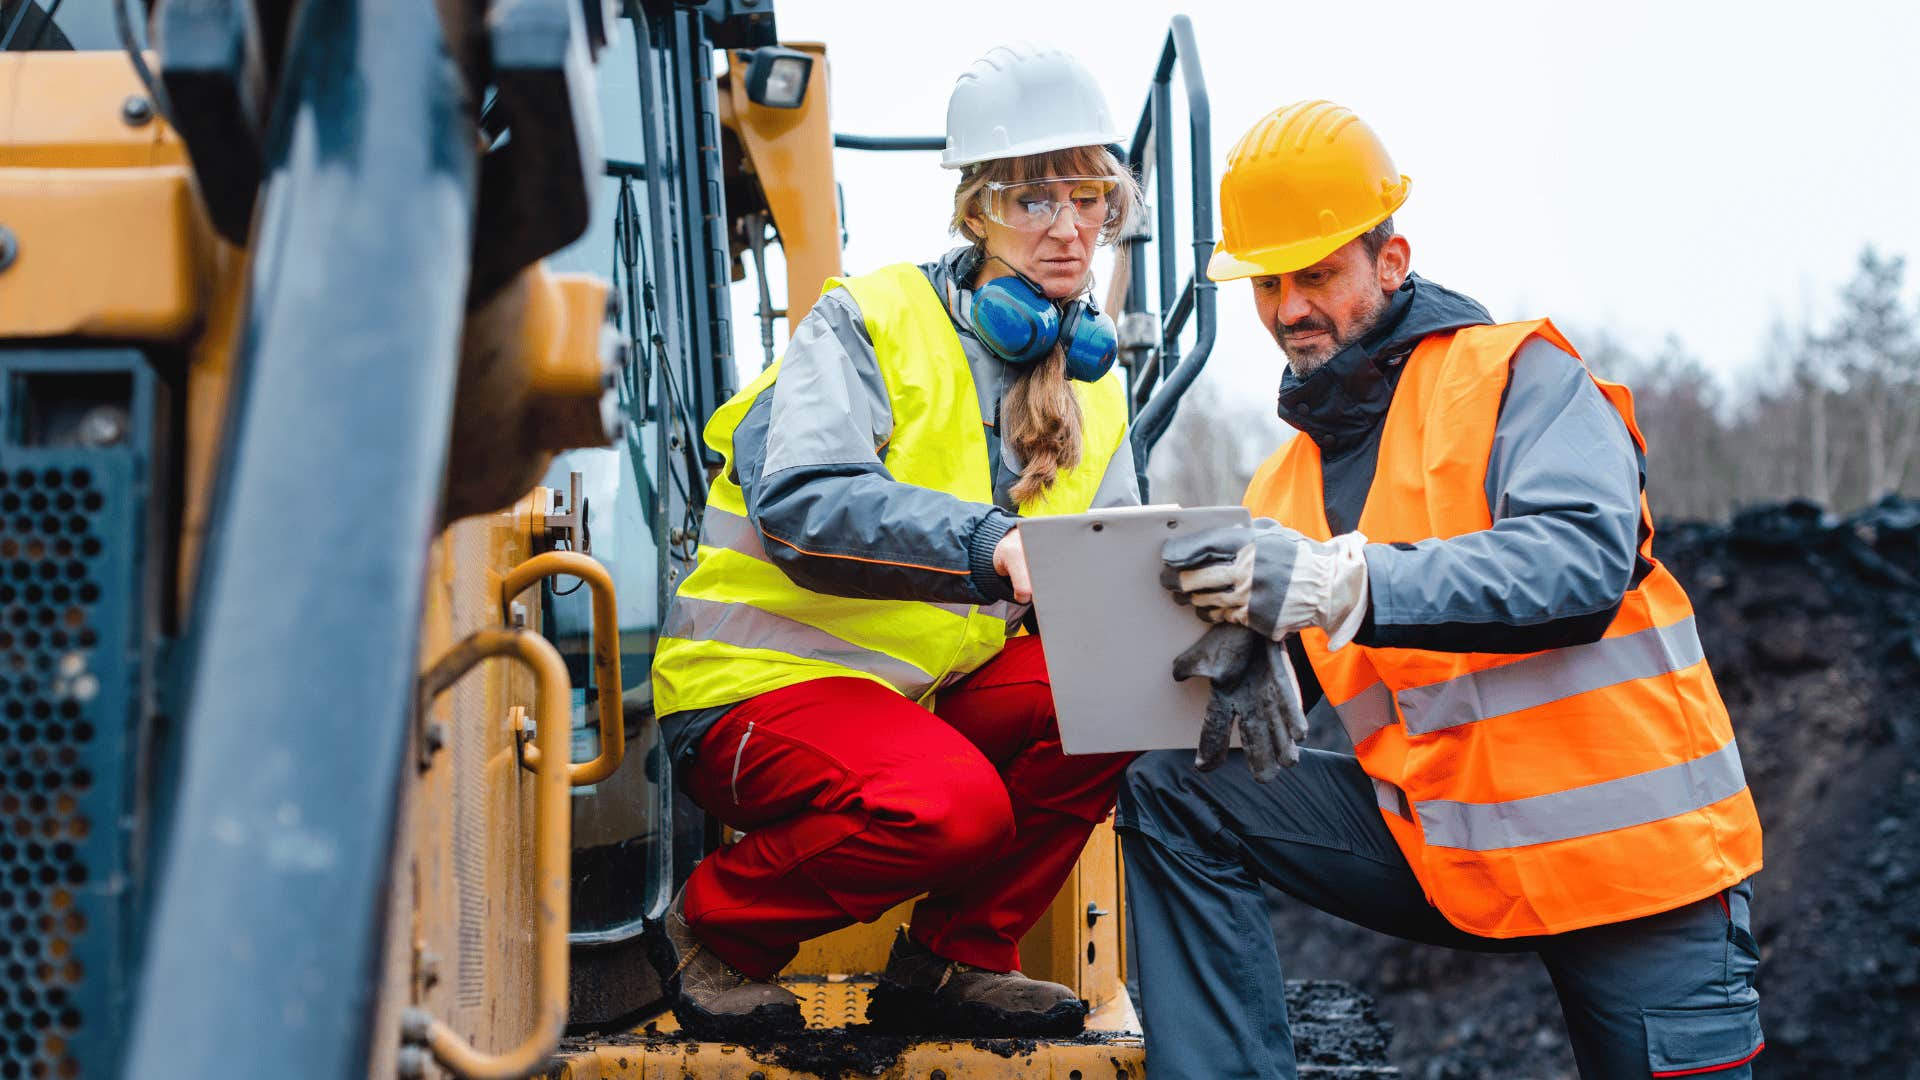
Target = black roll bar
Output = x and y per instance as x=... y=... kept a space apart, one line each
x=1151 y=151
x=844 y=141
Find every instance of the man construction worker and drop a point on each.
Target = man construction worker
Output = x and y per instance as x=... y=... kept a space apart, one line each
x=1541 y=760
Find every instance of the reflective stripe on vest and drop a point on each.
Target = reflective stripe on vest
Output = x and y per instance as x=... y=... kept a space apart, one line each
x=1390 y=798
x=1549 y=677
x=731 y=532
x=740 y=627
x=1585 y=811
x=1366 y=712
x=1540 y=793
x=751 y=628
x=721 y=529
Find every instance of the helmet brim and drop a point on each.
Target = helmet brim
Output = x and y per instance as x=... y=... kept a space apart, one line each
x=1031 y=147
x=1287 y=258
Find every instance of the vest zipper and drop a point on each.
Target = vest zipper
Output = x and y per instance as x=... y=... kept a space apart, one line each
x=733 y=784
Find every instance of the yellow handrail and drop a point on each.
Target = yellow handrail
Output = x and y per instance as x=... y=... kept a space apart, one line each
x=606 y=654
x=552 y=854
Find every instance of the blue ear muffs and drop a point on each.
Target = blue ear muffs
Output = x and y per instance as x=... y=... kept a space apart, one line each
x=1093 y=342
x=1021 y=325
x=1014 y=320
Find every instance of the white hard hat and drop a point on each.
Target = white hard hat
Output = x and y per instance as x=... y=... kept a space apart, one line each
x=1022 y=99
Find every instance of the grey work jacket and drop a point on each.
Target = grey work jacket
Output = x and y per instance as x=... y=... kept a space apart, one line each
x=810 y=455
x=1563 y=488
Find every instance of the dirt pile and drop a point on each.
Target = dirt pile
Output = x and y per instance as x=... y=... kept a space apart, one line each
x=1812 y=626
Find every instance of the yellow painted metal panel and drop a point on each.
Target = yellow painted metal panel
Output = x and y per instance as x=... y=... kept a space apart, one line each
x=1097 y=954
x=464 y=948
x=856 y=950
x=1068 y=947
x=104 y=253
x=66 y=110
x=790 y=153
x=209 y=378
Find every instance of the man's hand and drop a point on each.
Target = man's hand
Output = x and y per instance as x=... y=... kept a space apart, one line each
x=1254 y=690
x=1010 y=562
x=1271 y=578
x=1211 y=570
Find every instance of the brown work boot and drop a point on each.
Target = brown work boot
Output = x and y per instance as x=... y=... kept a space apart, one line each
x=928 y=994
x=715 y=1003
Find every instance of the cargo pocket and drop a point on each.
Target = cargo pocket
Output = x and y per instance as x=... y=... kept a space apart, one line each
x=1691 y=1042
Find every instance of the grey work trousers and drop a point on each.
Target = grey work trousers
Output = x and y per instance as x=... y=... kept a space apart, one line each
x=1666 y=995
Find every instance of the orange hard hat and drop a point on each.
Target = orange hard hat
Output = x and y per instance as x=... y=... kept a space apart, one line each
x=1304 y=180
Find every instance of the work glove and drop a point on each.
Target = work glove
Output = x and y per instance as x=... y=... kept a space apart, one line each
x=1271 y=578
x=1254 y=690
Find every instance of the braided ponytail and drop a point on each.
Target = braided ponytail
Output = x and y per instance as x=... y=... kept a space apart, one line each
x=1040 y=416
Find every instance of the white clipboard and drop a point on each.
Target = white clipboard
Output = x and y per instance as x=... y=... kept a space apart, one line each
x=1112 y=631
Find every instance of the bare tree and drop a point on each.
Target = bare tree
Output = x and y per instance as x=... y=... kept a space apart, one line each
x=1873 y=344
x=1831 y=414
x=1681 y=420
x=1679 y=409
x=1813 y=386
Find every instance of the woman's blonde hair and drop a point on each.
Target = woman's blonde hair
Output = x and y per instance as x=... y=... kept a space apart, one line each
x=1040 y=417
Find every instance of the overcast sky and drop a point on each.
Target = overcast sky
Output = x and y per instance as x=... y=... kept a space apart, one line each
x=1695 y=169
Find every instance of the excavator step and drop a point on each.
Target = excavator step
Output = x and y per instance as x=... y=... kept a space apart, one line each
x=1335 y=1031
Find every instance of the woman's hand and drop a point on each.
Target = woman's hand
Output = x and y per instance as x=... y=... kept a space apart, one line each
x=1010 y=561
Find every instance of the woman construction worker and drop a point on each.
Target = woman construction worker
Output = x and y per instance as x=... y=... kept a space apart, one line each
x=843 y=676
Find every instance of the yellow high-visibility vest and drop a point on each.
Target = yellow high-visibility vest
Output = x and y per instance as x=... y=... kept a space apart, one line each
x=1536 y=793
x=739 y=627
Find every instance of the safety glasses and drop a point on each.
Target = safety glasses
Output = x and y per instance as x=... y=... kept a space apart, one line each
x=1034 y=205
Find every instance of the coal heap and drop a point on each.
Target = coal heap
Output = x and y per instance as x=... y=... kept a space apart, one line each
x=1812 y=625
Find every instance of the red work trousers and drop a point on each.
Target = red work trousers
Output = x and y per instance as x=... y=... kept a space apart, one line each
x=853 y=799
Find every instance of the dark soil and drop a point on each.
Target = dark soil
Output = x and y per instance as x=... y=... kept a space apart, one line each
x=843 y=1053
x=1812 y=626
x=1336 y=1033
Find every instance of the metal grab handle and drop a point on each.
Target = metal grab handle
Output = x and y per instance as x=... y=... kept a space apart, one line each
x=552 y=854
x=606 y=655
x=1153 y=142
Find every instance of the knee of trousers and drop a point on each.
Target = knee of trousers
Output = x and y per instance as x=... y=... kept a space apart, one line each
x=950 y=819
x=1160 y=796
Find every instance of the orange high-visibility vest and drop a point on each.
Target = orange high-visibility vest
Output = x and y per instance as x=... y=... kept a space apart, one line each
x=1536 y=793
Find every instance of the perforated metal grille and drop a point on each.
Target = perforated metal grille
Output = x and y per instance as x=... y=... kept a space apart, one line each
x=476 y=602
x=55 y=911
x=470 y=754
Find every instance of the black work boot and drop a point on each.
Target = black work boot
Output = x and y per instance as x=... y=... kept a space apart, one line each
x=928 y=994
x=715 y=1003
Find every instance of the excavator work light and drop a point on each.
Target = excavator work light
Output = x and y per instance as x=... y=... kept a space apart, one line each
x=777 y=77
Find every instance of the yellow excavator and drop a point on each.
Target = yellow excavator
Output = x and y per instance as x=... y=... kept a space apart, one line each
x=353 y=359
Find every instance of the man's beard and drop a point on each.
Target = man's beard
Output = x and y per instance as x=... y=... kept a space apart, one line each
x=1306 y=359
